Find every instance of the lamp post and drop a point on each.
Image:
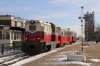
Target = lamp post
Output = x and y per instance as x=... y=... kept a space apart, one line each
x=81 y=26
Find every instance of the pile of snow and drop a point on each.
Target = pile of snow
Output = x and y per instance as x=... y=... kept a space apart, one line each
x=74 y=57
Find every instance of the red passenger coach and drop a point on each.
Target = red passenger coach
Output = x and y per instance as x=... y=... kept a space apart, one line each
x=71 y=37
x=63 y=36
x=75 y=37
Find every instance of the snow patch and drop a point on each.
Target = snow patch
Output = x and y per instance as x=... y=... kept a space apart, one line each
x=95 y=60
x=74 y=62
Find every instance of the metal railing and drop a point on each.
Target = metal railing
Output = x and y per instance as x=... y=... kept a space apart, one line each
x=10 y=47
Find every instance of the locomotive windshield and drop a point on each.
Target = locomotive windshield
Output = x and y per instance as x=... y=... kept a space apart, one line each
x=32 y=28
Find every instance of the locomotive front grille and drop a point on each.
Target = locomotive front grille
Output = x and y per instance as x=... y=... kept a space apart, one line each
x=31 y=47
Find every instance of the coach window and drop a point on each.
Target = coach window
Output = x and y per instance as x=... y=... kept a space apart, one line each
x=65 y=33
x=70 y=33
x=46 y=27
x=62 y=33
x=56 y=30
x=53 y=29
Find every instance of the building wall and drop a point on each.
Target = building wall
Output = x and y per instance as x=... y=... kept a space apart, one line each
x=89 y=26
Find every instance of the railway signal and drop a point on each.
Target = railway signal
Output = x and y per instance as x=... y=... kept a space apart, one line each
x=82 y=17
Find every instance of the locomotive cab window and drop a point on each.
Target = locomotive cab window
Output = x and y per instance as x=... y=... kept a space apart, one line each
x=42 y=28
x=53 y=29
x=32 y=28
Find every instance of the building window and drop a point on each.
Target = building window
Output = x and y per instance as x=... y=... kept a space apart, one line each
x=15 y=35
x=7 y=34
x=18 y=24
x=23 y=25
x=13 y=23
x=1 y=35
x=19 y=35
x=12 y=35
x=5 y=22
x=4 y=34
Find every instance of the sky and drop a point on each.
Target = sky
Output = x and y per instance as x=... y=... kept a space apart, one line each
x=63 y=13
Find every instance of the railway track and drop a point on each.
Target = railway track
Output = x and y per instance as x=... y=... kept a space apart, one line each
x=7 y=60
x=12 y=59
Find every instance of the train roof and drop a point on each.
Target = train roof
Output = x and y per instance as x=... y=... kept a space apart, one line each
x=38 y=21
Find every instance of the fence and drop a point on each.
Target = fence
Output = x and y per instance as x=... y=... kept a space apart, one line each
x=10 y=47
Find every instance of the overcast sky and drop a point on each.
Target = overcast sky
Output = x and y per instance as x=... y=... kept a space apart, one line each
x=63 y=13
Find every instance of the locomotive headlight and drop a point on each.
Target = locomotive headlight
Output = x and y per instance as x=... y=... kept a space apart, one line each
x=38 y=38
x=26 y=38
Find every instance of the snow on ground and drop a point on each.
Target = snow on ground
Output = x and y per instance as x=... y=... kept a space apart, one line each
x=9 y=52
x=74 y=62
x=95 y=60
x=38 y=56
x=32 y=58
x=60 y=60
x=3 y=59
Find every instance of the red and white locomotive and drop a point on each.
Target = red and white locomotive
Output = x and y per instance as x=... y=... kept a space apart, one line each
x=44 y=36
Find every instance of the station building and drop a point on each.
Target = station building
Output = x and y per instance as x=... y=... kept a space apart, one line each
x=11 y=29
